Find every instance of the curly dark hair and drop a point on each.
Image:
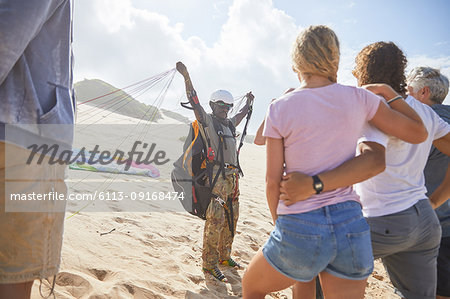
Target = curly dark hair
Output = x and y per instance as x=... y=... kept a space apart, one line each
x=381 y=62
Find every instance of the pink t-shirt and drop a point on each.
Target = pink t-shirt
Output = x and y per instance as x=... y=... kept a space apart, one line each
x=320 y=128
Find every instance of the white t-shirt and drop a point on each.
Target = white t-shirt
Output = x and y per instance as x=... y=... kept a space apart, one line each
x=402 y=184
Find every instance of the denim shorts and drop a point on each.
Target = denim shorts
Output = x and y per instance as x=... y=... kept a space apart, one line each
x=334 y=238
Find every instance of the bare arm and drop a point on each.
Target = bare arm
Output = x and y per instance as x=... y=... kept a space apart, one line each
x=443 y=144
x=191 y=93
x=298 y=186
x=259 y=138
x=274 y=172
x=401 y=120
x=243 y=112
x=442 y=193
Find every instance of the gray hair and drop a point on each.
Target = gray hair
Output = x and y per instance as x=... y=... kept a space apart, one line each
x=423 y=76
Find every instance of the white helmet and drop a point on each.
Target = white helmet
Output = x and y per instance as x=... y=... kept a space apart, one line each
x=222 y=95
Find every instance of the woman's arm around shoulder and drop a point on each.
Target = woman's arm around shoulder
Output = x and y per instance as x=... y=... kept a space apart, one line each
x=400 y=120
x=297 y=186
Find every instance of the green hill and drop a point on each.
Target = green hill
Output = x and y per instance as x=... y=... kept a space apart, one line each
x=176 y=116
x=119 y=102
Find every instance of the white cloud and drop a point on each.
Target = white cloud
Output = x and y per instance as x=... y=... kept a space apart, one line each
x=220 y=8
x=346 y=65
x=114 y=14
x=121 y=44
x=442 y=63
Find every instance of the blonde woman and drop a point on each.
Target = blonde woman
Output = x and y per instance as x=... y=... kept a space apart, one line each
x=312 y=129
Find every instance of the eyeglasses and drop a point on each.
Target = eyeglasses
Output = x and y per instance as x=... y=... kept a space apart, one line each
x=224 y=105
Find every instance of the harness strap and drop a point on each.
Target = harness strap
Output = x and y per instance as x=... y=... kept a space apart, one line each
x=222 y=159
x=231 y=218
x=228 y=209
x=244 y=133
x=202 y=132
x=222 y=144
x=236 y=186
x=209 y=162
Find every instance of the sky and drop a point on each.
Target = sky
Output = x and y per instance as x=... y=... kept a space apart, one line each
x=243 y=45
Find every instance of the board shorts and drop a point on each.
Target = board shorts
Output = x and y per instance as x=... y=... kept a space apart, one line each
x=30 y=241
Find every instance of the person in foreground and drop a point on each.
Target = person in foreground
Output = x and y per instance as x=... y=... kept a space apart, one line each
x=312 y=129
x=35 y=89
x=218 y=233
x=405 y=231
x=430 y=87
x=370 y=162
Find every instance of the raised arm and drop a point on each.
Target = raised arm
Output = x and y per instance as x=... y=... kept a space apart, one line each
x=191 y=93
x=298 y=186
x=274 y=172
x=401 y=120
x=243 y=112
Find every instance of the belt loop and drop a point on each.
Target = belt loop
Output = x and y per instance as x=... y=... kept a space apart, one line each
x=327 y=214
x=417 y=208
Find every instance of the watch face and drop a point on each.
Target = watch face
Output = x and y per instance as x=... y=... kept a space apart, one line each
x=317 y=184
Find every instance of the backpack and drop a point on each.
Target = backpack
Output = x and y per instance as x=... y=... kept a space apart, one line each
x=189 y=173
x=193 y=174
x=194 y=168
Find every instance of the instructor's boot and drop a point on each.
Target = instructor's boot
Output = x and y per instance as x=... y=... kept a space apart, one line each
x=216 y=273
x=231 y=263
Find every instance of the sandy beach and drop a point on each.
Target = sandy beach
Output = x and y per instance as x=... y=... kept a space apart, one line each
x=148 y=252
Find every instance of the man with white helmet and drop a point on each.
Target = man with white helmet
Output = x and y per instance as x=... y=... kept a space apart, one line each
x=223 y=211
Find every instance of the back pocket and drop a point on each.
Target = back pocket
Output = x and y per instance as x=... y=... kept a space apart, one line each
x=399 y=224
x=361 y=247
x=300 y=251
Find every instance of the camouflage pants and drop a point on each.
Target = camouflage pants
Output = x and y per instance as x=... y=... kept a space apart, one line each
x=217 y=237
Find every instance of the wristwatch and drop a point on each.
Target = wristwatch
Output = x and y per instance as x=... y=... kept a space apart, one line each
x=317 y=184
